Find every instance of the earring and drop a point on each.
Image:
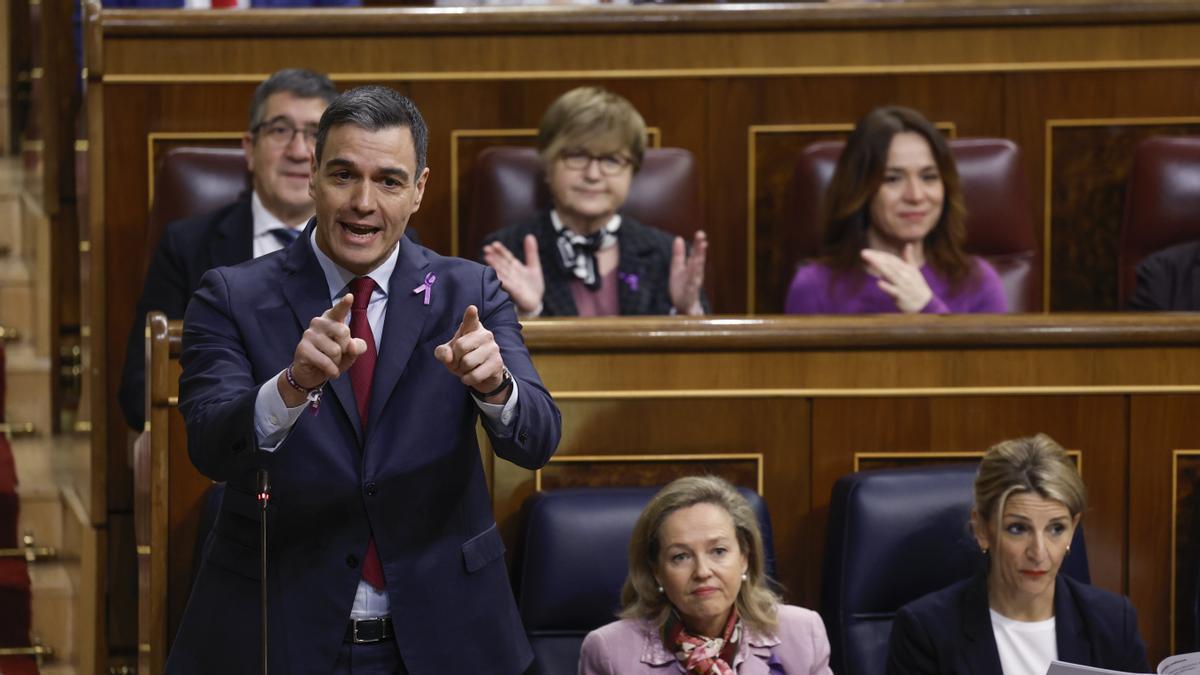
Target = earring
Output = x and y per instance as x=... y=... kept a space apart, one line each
x=745 y=577
x=1068 y=550
x=984 y=550
x=660 y=589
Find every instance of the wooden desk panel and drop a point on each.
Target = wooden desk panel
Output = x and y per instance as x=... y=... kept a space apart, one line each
x=786 y=406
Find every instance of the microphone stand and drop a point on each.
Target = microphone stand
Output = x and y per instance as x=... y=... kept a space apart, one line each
x=264 y=496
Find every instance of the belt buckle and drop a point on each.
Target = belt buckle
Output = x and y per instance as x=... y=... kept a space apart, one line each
x=367 y=640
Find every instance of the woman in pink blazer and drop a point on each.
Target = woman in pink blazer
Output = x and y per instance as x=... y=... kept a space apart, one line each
x=695 y=600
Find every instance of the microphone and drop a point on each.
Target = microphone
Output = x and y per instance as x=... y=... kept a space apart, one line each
x=264 y=497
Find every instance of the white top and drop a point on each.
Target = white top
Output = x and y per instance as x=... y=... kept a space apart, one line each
x=1026 y=647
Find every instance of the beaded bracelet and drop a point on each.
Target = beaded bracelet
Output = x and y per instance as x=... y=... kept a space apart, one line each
x=312 y=395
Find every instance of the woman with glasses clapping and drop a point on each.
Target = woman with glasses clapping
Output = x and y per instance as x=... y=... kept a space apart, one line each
x=581 y=257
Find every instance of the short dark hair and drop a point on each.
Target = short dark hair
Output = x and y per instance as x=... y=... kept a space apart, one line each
x=373 y=108
x=858 y=175
x=298 y=82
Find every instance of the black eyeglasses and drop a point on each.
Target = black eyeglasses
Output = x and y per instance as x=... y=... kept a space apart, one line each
x=282 y=134
x=610 y=165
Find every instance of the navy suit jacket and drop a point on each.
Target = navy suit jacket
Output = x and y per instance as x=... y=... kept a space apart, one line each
x=413 y=477
x=950 y=631
x=645 y=255
x=1169 y=280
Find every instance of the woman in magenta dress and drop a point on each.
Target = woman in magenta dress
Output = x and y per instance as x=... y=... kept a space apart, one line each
x=894 y=229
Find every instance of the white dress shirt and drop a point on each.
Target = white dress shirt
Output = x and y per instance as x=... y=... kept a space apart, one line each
x=264 y=241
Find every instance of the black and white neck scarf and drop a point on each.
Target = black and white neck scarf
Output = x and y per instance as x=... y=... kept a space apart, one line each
x=577 y=252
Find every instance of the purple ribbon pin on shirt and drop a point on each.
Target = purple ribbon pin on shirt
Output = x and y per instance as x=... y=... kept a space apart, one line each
x=427 y=286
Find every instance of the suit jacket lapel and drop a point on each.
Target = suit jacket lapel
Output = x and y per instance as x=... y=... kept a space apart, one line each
x=1073 y=643
x=633 y=292
x=402 y=328
x=307 y=293
x=981 y=656
x=234 y=240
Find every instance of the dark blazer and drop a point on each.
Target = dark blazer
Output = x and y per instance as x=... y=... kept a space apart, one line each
x=188 y=248
x=644 y=267
x=1169 y=280
x=413 y=477
x=950 y=631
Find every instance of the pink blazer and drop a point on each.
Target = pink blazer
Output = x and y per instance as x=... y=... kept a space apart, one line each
x=633 y=647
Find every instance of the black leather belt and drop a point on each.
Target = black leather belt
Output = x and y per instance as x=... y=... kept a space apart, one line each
x=369 y=631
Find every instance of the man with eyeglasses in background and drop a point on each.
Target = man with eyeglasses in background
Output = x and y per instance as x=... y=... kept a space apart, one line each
x=284 y=114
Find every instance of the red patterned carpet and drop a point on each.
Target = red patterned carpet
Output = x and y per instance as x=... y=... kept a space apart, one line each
x=15 y=609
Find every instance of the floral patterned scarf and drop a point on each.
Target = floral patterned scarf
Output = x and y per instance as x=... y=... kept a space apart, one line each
x=700 y=655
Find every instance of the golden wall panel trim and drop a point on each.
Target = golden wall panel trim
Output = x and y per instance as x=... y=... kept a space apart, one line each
x=1048 y=173
x=1076 y=455
x=868 y=392
x=756 y=457
x=1175 y=456
x=653 y=137
x=752 y=133
x=455 y=136
x=158 y=136
x=667 y=73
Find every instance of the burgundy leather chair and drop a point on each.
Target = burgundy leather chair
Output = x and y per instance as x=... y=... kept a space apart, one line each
x=194 y=180
x=509 y=187
x=1000 y=224
x=1162 y=203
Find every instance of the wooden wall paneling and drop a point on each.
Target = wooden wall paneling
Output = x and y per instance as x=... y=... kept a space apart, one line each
x=1096 y=426
x=743 y=440
x=1132 y=98
x=1160 y=427
x=1089 y=163
x=1185 y=552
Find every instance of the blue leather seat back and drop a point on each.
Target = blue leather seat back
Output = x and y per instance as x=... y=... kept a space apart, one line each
x=573 y=561
x=895 y=535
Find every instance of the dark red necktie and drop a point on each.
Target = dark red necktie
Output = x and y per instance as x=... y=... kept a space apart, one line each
x=361 y=375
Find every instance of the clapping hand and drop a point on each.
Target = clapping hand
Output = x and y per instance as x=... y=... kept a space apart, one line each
x=473 y=356
x=687 y=274
x=522 y=280
x=900 y=277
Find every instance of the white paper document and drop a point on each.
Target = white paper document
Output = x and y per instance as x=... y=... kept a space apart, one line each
x=1183 y=664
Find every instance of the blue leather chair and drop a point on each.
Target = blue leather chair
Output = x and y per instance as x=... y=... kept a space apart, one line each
x=573 y=561
x=895 y=535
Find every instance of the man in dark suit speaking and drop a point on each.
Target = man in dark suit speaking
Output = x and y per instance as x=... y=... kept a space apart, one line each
x=383 y=552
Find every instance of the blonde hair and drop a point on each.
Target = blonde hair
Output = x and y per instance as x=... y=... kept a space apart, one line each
x=1034 y=465
x=595 y=119
x=640 y=597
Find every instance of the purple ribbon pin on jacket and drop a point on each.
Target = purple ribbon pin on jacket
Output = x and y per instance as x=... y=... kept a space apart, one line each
x=630 y=279
x=427 y=286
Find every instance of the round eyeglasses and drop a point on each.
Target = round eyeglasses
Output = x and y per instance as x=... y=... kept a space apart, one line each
x=610 y=165
x=282 y=134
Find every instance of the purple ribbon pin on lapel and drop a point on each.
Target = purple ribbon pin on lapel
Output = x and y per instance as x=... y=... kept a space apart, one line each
x=427 y=286
x=630 y=279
